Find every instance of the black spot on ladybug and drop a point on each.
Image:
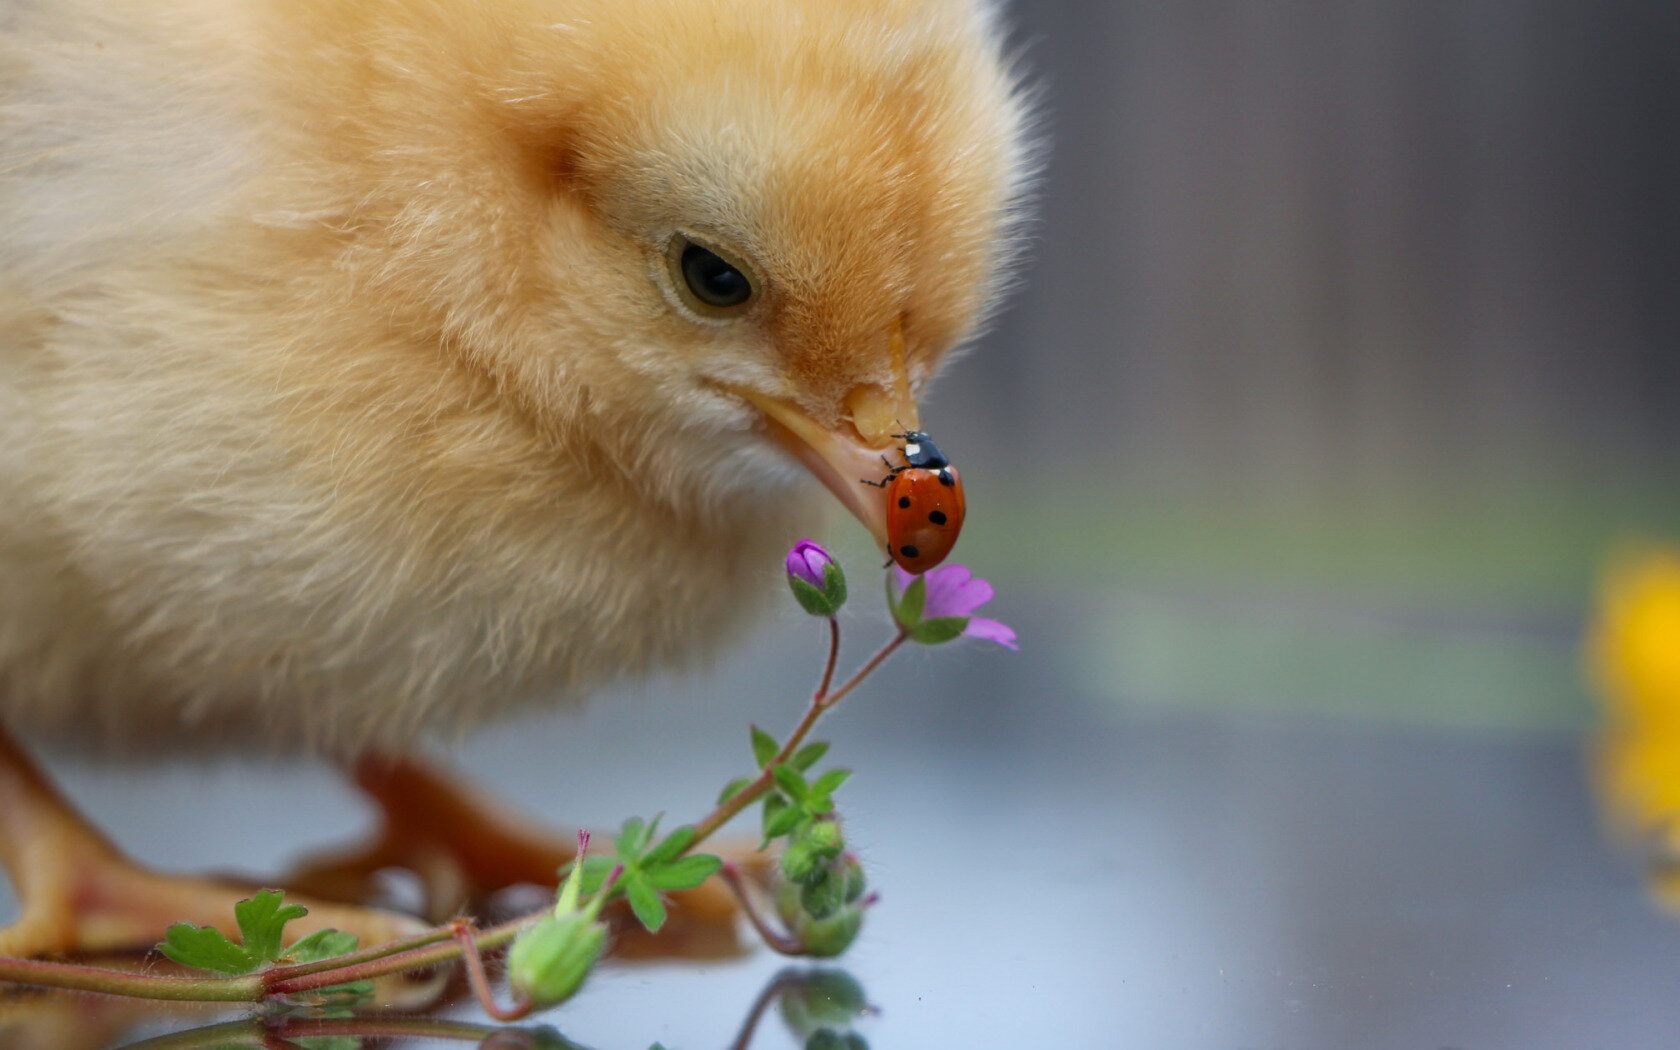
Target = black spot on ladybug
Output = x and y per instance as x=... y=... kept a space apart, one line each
x=937 y=517
x=904 y=501
x=909 y=551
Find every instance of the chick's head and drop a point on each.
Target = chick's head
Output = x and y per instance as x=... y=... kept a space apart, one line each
x=842 y=172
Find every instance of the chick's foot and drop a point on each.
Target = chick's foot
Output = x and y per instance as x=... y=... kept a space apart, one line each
x=78 y=894
x=463 y=846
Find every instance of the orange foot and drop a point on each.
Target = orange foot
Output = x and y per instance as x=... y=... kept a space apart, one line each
x=464 y=846
x=78 y=893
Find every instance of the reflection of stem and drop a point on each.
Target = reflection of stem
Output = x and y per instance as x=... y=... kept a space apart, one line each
x=254 y=1031
x=820 y=704
x=777 y=986
x=776 y=939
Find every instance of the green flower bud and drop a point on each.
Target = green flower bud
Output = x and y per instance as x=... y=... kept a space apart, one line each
x=812 y=847
x=549 y=961
x=800 y=862
x=852 y=873
x=821 y=897
x=823 y=937
x=824 y=838
x=826 y=938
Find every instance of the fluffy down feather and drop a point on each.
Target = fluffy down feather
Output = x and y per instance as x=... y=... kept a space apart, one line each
x=344 y=391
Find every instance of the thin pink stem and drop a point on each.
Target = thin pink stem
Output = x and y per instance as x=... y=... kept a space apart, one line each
x=833 y=658
x=80 y=978
x=820 y=703
x=776 y=939
x=461 y=930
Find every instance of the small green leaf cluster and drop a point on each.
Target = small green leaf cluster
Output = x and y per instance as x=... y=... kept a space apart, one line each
x=819 y=885
x=650 y=869
x=794 y=803
x=262 y=921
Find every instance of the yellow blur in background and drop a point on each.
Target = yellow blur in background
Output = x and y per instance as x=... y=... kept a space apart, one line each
x=1635 y=655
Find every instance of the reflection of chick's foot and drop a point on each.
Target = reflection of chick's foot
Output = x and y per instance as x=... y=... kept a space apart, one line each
x=79 y=895
x=463 y=846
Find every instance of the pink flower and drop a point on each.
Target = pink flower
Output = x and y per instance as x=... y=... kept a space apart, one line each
x=939 y=605
x=816 y=579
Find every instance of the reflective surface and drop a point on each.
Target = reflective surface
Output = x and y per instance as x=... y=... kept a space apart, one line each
x=1060 y=869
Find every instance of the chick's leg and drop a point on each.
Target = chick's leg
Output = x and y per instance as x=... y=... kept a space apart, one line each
x=464 y=845
x=77 y=893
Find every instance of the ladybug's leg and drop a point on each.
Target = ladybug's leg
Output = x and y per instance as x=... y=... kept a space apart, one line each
x=892 y=472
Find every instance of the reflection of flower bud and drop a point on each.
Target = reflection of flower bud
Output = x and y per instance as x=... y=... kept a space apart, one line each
x=816 y=1000
x=550 y=960
x=816 y=579
x=829 y=1039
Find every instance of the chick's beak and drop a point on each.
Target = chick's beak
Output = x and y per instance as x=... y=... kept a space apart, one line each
x=849 y=453
x=853 y=452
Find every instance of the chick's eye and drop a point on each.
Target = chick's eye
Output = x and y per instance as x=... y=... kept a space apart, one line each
x=712 y=280
x=706 y=279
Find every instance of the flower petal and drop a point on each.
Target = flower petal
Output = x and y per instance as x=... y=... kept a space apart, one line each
x=991 y=631
x=954 y=591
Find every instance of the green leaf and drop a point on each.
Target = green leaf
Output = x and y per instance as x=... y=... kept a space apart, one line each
x=684 y=873
x=262 y=919
x=785 y=820
x=908 y=610
x=206 y=948
x=596 y=868
x=789 y=780
x=816 y=600
x=830 y=782
x=809 y=755
x=671 y=848
x=322 y=944
x=764 y=747
x=939 y=631
x=774 y=805
x=733 y=788
x=645 y=902
x=632 y=839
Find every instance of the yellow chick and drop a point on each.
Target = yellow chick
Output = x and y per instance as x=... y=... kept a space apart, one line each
x=371 y=369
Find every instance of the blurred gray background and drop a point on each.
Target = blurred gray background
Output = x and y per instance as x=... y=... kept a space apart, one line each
x=1348 y=337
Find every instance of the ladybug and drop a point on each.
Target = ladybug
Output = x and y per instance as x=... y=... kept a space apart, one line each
x=925 y=504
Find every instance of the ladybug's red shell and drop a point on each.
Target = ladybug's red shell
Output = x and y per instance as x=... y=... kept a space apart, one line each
x=924 y=515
